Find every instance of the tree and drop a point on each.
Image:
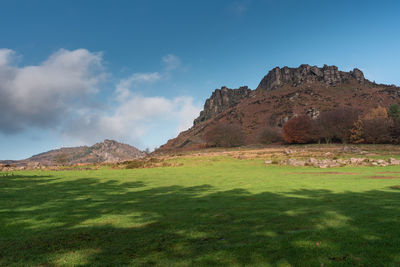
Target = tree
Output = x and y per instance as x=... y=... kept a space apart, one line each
x=225 y=135
x=377 y=131
x=357 y=133
x=335 y=125
x=395 y=131
x=298 y=130
x=394 y=111
x=377 y=113
x=270 y=135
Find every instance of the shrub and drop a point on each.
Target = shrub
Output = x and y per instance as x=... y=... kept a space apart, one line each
x=134 y=164
x=225 y=135
x=298 y=130
x=270 y=135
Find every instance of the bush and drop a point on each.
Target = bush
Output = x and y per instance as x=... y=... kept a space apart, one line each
x=225 y=135
x=270 y=135
x=299 y=130
x=135 y=164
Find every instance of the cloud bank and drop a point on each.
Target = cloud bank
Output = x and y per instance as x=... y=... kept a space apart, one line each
x=54 y=94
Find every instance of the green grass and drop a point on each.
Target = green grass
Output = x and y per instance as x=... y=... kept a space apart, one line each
x=212 y=211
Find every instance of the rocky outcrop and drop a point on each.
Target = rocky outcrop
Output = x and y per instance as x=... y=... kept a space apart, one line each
x=329 y=75
x=284 y=93
x=112 y=151
x=104 y=152
x=221 y=100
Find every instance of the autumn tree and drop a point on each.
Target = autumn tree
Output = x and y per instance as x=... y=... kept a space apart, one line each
x=395 y=131
x=269 y=135
x=377 y=131
x=357 y=133
x=374 y=127
x=299 y=130
x=225 y=135
x=335 y=125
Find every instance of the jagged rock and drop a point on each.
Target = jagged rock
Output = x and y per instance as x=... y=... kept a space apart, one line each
x=221 y=100
x=313 y=113
x=330 y=75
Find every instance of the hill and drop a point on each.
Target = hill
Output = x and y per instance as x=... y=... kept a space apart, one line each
x=281 y=94
x=107 y=151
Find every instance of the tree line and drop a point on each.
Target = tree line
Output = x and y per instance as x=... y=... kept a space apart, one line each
x=341 y=125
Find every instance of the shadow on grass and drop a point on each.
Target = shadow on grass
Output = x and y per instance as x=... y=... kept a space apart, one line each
x=43 y=220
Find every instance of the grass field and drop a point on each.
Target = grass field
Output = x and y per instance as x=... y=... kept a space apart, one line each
x=211 y=211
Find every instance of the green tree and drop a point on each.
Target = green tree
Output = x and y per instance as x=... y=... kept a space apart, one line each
x=394 y=111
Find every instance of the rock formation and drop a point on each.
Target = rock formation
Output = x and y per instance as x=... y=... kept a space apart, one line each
x=221 y=100
x=107 y=151
x=329 y=75
x=281 y=94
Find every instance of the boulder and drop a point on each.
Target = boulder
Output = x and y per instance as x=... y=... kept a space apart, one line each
x=394 y=161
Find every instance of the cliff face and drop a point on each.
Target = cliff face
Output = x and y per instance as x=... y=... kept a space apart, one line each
x=221 y=100
x=329 y=75
x=284 y=93
x=225 y=98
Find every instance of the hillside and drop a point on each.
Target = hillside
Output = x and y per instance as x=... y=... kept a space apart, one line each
x=107 y=151
x=281 y=94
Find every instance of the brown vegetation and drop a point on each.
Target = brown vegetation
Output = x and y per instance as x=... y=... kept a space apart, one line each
x=225 y=135
x=298 y=130
x=270 y=135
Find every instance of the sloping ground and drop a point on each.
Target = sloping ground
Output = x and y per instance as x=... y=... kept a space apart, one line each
x=281 y=102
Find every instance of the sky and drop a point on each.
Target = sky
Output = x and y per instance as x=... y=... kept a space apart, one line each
x=77 y=72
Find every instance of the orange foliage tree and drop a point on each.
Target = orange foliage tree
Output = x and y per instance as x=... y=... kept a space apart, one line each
x=298 y=130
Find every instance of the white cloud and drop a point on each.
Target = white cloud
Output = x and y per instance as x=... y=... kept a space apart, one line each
x=39 y=96
x=51 y=96
x=5 y=56
x=136 y=79
x=134 y=118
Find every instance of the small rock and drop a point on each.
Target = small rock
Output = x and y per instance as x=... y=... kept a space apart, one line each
x=394 y=161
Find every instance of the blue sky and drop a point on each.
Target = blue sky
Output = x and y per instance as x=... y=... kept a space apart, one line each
x=77 y=72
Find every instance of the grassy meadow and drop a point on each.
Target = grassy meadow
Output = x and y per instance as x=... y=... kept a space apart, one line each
x=210 y=211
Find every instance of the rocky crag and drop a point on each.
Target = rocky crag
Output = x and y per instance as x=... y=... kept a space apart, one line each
x=221 y=100
x=108 y=151
x=282 y=94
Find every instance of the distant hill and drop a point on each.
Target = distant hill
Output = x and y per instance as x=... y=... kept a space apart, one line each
x=107 y=151
x=282 y=94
